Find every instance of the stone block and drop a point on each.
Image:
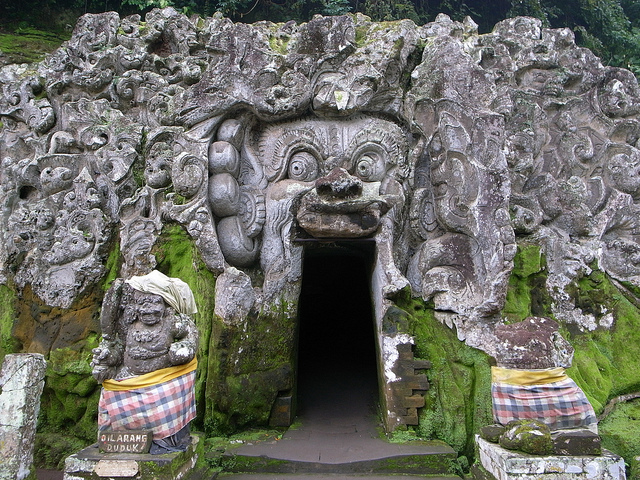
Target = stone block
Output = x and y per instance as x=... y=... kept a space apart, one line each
x=492 y=433
x=577 y=442
x=21 y=384
x=509 y=465
x=90 y=464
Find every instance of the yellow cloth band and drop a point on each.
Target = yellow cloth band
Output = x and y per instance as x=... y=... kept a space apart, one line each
x=152 y=378
x=527 y=377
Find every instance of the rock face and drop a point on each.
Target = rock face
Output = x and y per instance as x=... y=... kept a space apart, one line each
x=440 y=145
x=21 y=383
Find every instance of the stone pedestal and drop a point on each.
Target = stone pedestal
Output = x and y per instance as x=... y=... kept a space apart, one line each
x=21 y=384
x=90 y=464
x=510 y=465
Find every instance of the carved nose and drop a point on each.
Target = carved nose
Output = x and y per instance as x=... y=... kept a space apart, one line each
x=339 y=183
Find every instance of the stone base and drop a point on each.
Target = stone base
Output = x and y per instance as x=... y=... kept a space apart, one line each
x=90 y=464
x=509 y=465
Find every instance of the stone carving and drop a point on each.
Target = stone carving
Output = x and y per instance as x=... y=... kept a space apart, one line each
x=441 y=145
x=529 y=381
x=21 y=384
x=148 y=347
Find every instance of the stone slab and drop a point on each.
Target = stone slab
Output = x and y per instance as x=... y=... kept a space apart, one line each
x=21 y=384
x=91 y=464
x=509 y=465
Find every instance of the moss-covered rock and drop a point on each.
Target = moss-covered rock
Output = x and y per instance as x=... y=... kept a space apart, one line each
x=620 y=432
x=606 y=360
x=459 y=400
x=528 y=436
x=69 y=407
x=178 y=257
x=27 y=45
x=526 y=293
x=8 y=343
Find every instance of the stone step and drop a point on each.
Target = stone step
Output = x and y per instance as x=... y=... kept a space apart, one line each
x=319 y=476
x=430 y=460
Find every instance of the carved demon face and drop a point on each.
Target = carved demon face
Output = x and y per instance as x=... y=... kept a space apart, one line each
x=349 y=170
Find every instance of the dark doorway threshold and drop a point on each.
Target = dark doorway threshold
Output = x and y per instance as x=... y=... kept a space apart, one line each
x=338 y=428
x=337 y=366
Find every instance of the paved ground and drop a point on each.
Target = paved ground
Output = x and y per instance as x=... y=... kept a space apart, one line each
x=49 y=475
x=337 y=424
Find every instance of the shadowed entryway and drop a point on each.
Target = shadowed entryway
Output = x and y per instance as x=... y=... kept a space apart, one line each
x=338 y=429
x=336 y=348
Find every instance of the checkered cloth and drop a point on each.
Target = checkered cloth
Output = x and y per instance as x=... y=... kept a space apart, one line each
x=164 y=408
x=560 y=404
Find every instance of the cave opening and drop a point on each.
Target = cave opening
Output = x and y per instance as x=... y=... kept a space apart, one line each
x=337 y=359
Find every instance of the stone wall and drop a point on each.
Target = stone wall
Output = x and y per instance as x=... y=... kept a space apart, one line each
x=497 y=175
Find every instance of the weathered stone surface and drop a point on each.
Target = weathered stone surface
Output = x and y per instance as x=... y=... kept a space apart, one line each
x=528 y=436
x=21 y=384
x=437 y=142
x=576 y=442
x=491 y=433
x=534 y=343
x=509 y=465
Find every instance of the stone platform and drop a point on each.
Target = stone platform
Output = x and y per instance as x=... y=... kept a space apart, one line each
x=90 y=464
x=509 y=465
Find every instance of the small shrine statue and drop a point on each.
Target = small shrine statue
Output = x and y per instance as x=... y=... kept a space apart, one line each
x=530 y=383
x=146 y=360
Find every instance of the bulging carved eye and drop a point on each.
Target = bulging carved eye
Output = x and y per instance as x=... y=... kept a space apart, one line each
x=370 y=168
x=303 y=167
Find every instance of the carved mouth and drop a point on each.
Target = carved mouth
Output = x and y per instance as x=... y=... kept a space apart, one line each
x=340 y=218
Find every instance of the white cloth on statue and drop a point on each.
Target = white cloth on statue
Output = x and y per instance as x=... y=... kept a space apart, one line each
x=174 y=291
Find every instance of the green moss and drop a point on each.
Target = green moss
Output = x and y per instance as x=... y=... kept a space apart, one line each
x=29 y=45
x=279 y=43
x=526 y=293
x=113 y=264
x=69 y=407
x=459 y=400
x=362 y=33
x=605 y=361
x=178 y=257
x=8 y=315
x=51 y=449
x=620 y=432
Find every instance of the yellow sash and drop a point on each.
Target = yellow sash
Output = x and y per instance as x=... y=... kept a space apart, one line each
x=152 y=378
x=527 y=377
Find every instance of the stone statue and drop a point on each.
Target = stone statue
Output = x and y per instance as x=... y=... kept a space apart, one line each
x=444 y=147
x=147 y=352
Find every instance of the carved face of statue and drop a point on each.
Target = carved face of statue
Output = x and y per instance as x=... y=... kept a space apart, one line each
x=157 y=172
x=150 y=308
x=624 y=171
x=351 y=168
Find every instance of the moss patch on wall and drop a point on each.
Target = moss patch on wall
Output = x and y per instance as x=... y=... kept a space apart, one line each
x=255 y=364
x=178 y=257
x=69 y=406
x=8 y=343
x=606 y=360
x=459 y=400
x=526 y=292
x=620 y=433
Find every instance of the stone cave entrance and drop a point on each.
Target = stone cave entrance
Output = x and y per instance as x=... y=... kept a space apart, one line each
x=337 y=354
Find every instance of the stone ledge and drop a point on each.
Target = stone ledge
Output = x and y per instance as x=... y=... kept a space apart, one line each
x=90 y=464
x=509 y=465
